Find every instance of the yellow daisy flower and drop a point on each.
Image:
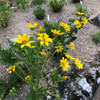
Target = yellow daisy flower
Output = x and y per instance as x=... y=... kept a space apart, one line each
x=78 y=63
x=44 y=39
x=67 y=27
x=32 y=26
x=80 y=13
x=65 y=77
x=68 y=56
x=84 y=21
x=24 y=40
x=56 y=32
x=59 y=48
x=41 y=28
x=43 y=53
x=72 y=46
x=77 y=24
x=27 y=78
x=64 y=64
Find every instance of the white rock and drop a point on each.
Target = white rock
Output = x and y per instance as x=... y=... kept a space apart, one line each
x=83 y=83
x=98 y=80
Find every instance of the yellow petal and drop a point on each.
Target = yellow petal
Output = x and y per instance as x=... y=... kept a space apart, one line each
x=18 y=41
x=28 y=37
x=22 y=46
x=24 y=36
x=20 y=37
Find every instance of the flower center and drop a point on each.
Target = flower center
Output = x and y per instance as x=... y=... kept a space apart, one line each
x=24 y=41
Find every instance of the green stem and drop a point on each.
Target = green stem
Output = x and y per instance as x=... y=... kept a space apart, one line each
x=50 y=94
x=47 y=61
x=20 y=76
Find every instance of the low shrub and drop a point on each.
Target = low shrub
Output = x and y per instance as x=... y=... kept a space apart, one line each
x=39 y=13
x=81 y=8
x=5 y=14
x=96 y=38
x=57 y=5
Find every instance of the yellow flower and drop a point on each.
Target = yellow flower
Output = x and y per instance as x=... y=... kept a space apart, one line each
x=17 y=63
x=59 y=48
x=67 y=27
x=62 y=24
x=56 y=32
x=41 y=28
x=68 y=56
x=72 y=46
x=80 y=13
x=10 y=69
x=84 y=21
x=27 y=78
x=78 y=63
x=65 y=77
x=77 y=24
x=44 y=39
x=64 y=64
x=43 y=53
x=32 y=26
x=24 y=40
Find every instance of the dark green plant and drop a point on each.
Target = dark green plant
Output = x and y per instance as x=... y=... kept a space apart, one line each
x=81 y=8
x=96 y=38
x=22 y=4
x=37 y=2
x=5 y=14
x=39 y=13
x=75 y=1
x=57 y=5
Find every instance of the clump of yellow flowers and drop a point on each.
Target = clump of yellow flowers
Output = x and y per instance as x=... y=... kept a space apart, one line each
x=11 y=69
x=38 y=53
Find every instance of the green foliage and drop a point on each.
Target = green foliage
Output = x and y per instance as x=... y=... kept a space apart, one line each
x=39 y=13
x=81 y=8
x=3 y=88
x=96 y=38
x=75 y=1
x=5 y=14
x=38 y=94
x=22 y=4
x=13 y=92
x=57 y=5
x=37 y=2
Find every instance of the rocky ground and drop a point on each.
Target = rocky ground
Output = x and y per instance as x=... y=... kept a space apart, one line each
x=85 y=48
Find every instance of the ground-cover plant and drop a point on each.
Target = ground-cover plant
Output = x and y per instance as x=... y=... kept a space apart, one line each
x=5 y=14
x=57 y=5
x=37 y=2
x=30 y=57
x=39 y=13
x=96 y=38
x=22 y=4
